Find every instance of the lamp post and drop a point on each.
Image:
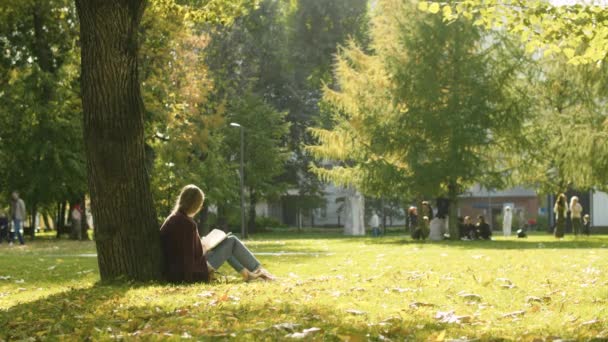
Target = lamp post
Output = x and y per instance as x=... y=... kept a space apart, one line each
x=242 y=179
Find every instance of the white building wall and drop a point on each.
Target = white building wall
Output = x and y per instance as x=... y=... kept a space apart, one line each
x=599 y=212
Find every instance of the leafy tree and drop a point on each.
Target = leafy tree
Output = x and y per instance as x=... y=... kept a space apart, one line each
x=316 y=28
x=265 y=157
x=564 y=137
x=578 y=32
x=424 y=113
x=248 y=65
x=41 y=151
x=118 y=172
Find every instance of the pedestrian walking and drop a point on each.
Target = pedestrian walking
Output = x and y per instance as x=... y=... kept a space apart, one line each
x=18 y=214
x=374 y=222
x=561 y=212
x=76 y=222
x=576 y=212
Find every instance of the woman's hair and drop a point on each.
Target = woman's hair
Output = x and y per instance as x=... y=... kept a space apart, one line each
x=190 y=200
x=561 y=200
x=481 y=219
x=467 y=219
x=573 y=201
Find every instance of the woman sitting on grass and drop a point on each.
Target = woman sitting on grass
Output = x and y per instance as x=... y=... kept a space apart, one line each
x=185 y=259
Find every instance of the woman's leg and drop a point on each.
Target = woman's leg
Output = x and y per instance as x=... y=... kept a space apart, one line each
x=233 y=251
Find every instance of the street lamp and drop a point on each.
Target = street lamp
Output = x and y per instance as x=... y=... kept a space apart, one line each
x=242 y=179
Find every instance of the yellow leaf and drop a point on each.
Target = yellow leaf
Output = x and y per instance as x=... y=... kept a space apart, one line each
x=441 y=336
x=569 y=52
x=447 y=12
x=434 y=8
x=423 y=6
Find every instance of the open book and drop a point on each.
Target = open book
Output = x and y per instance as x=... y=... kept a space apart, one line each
x=214 y=238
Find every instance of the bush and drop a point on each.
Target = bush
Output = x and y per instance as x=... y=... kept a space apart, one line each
x=263 y=222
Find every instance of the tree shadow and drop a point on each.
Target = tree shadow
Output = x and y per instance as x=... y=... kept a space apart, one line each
x=161 y=312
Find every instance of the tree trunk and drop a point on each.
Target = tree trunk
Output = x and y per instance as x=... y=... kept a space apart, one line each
x=222 y=220
x=33 y=221
x=47 y=221
x=453 y=211
x=84 y=223
x=253 y=200
x=126 y=229
x=203 y=218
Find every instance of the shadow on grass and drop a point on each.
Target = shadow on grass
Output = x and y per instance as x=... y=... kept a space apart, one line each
x=161 y=312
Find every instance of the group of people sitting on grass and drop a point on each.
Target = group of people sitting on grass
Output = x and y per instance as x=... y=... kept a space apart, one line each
x=436 y=229
x=470 y=231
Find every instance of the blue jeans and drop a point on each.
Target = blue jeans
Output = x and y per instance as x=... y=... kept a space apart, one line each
x=17 y=228
x=233 y=251
x=375 y=231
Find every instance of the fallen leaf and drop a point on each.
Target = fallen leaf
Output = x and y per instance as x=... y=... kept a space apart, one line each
x=532 y=299
x=514 y=314
x=206 y=294
x=286 y=326
x=469 y=296
x=591 y=322
x=451 y=318
x=416 y=305
x=356 y=312
x=305 y=333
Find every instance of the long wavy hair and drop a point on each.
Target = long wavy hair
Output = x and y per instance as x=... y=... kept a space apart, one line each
x=190 y=200
x=573 y=201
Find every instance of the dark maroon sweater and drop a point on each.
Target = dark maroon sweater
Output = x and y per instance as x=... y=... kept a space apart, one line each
x=182 y=250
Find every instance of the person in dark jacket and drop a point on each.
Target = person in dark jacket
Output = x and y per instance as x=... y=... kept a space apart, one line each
x=483 y=228
x=184 y=258
x=4 y=230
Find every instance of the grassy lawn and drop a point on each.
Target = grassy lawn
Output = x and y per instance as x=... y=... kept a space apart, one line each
x=351 y=289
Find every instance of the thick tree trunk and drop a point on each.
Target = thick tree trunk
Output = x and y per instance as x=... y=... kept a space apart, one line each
x=453 y=211
x=126 y=229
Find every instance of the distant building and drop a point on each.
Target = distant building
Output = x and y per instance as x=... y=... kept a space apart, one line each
x=490 y=203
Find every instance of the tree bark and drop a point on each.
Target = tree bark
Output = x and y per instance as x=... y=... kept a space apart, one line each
x=126 y=229
x=453 y=211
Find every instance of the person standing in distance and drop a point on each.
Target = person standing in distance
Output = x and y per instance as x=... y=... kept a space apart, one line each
x=17 y=215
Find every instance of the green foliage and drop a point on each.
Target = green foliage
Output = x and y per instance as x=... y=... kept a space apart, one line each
x=429 y=108
x=41 y=150
x=265 y=128
x=185 y=124
x=579 y=32
x=527 y=290
x=565 y=139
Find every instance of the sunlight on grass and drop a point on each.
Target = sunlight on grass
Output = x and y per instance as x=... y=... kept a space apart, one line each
x=349 y=288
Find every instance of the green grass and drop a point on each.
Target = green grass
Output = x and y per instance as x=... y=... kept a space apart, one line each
x=353 y=289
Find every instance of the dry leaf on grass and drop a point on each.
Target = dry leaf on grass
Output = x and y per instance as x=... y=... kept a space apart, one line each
x=305 y=333
x=451 y=318
x=514 y=314
x=416 y=305
x=356 y=312
x=469 y=296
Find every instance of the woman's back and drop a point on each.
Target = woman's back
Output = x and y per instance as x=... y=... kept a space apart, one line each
x=182 y=250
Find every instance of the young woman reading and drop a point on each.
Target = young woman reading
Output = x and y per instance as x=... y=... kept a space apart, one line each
x=185 y=259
